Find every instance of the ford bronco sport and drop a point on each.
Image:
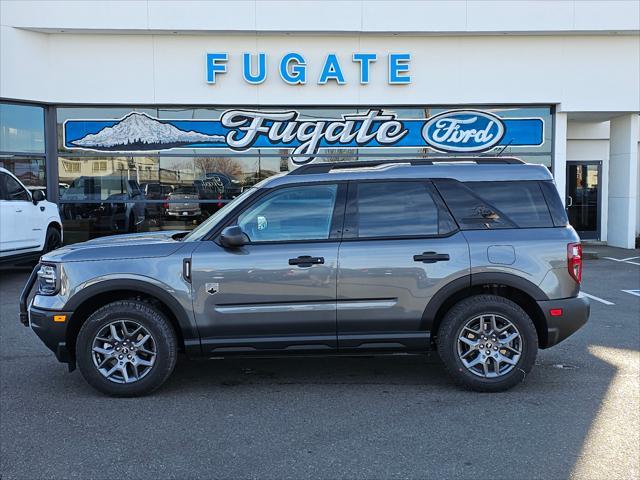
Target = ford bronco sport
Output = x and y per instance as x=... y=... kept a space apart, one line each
x=474 y=257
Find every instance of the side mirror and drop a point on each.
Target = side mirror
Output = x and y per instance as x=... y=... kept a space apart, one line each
x=233 y=237
x=37 y=196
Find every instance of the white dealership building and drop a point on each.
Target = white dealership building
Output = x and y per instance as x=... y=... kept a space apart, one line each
x=170 y=95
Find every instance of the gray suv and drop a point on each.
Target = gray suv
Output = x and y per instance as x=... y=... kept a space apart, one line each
x=474 y=257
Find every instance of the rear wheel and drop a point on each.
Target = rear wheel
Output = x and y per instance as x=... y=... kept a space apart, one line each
x=487 y=343
x=126 y=348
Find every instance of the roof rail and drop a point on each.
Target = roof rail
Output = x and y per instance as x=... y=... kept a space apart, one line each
x=326 y=167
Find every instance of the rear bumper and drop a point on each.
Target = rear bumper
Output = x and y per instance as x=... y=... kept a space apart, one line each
x=52 y=333
x=181 y=213
x=575 y=313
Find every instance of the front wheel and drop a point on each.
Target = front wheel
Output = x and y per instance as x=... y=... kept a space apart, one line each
x=487 y=343
x=52 y=240
x=126 y=348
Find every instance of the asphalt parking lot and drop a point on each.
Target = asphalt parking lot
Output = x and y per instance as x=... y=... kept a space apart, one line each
x=577 y=415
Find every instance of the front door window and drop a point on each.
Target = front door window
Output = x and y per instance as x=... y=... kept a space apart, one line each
x=291 y=214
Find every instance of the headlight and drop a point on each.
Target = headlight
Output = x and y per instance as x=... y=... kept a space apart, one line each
x=47 y=280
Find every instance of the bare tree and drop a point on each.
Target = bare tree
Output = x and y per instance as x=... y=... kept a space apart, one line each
x=226 y=165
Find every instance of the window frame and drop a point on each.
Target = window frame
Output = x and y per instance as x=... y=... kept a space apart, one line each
x=351 y=220
x=336 y=224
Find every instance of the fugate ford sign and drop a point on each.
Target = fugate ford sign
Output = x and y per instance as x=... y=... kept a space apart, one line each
x=460 y=131
x=463 y=131
x=293 y=68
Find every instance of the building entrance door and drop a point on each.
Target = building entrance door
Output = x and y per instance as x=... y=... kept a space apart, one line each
x=583 y=197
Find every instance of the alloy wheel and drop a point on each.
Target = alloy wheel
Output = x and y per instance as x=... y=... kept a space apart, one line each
x=124 y=351
x=489 y=345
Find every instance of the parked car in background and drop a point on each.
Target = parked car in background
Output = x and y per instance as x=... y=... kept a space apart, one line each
x=156 y=192
x=472 y=257
x=61 y=188
x=183 y=203
x=29 y=225
x=114 y=203
x=217 y=186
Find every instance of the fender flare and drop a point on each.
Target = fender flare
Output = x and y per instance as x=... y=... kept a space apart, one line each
x=188 y=330
x=469 y=281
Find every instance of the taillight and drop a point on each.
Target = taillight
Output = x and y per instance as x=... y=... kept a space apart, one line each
x=574 y=261
x=165 y=205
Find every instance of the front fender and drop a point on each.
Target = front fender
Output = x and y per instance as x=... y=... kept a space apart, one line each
x=178 y=301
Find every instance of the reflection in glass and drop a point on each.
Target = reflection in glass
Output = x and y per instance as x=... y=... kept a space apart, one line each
x=180 y=188
x=21 y=128
x=30 y=170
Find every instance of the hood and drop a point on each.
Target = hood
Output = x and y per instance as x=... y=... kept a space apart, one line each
x=134 y=245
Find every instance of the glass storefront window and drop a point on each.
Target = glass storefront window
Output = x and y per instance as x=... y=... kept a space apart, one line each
x=30 y=170
x=178 y=188
x=21 y=128
x=103 y=195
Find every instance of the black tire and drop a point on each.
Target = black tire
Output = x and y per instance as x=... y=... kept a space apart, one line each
x=154 y=322
x=464 y=311
x=52 y=240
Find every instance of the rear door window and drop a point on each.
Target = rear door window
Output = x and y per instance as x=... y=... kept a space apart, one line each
x=396 y=209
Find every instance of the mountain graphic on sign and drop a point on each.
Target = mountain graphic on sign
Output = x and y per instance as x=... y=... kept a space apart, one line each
x=138 y=131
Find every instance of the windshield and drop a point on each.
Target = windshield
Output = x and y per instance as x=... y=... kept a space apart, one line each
x=204 y=228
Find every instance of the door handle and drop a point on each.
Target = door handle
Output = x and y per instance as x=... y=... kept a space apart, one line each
x=569 y=201
x=306 y=261
x=431 y=257
x=18 y=210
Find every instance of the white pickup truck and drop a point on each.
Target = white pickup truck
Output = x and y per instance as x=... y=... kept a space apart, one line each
x=29 y=225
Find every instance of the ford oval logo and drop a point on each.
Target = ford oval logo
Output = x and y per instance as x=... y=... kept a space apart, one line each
x=463 y=131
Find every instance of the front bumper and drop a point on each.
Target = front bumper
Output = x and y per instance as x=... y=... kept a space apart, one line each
x=52 y=333
x=42 y=321
x=575 y=313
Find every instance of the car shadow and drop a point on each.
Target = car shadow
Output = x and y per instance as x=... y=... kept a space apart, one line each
x=410 y=404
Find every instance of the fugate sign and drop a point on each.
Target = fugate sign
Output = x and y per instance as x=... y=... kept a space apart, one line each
x=293 y=68
x=242 y=129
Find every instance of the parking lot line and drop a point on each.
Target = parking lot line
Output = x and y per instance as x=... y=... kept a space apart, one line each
x=598 y=299
x=624 y=260
x=633 y=292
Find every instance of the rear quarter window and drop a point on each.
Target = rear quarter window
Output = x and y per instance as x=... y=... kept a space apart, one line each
x=493 y=205
x=522 y=202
